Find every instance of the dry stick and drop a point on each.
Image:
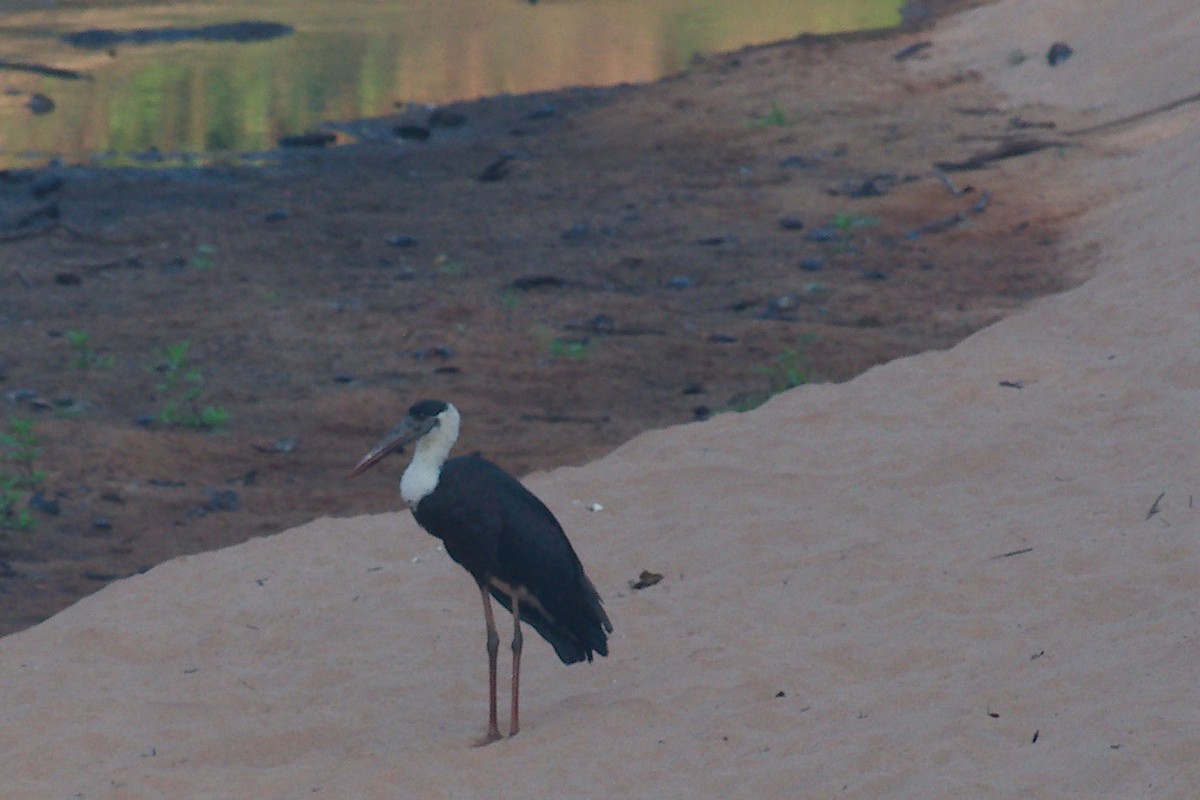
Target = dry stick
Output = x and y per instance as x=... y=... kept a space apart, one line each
x=1154 y=507
x=1138 y=117
x=1013 y=553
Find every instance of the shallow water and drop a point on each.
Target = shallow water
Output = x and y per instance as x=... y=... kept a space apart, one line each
x=345 y=60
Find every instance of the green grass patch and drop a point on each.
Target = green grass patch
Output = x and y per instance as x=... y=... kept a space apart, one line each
x=19 y=477
x=180 y=386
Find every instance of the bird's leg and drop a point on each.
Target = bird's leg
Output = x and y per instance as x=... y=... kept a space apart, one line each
x=517 y=641
x=493 y=648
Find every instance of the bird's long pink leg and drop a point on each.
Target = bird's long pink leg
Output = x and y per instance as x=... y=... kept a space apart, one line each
x=517 y=641
x=493 y=648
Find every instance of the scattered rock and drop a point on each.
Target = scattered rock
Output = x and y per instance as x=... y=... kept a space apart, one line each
x=429 y=353
x=874 y=275
x=497 y=170
x=713 y=241
x=799 y=162
x=645 y=580
x=45 y=504
x=67 y=279
x=812 y=264
x=722 y=338
x=543 y=112
x=822 y=235
x=912 y=50
x=413 y=133
x=102 y=524
x=680 y=282
x=100 y=577
x=402 y=240
x=446 y=118
x=45 y=185
x=40 y=104
x=782 y=307
x=221 y=500
x=312 y=139
x=576 y=232
x=1058 y=53
x=791 y=223
x=527 y=282
x=276 y=215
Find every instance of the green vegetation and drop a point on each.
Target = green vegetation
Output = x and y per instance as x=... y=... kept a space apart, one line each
x=85 y=356
x=789 y=369
x=846 y=222
x=773 y=118
x=18 y=476
x=1017 y=57
x=575 y=349
x=181 y=386
x=203 y=257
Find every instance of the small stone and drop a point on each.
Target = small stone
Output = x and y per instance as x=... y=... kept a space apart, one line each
x=680 y=282
x=791 y=223
x=446 y=118
x=102 y=524
x=874 y=275
x=45 y=504
x=221 y=500
x=313 y=139
x=812 y=264
x=40 y=104
x=576 y=232
x=413 y=133
x=543 y=112
x=276 y=215
x=722 y=338
x=821 y=235
x=402 y=240
x=1058 y=53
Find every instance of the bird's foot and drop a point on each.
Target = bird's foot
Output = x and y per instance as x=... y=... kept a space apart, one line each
x=491 y=736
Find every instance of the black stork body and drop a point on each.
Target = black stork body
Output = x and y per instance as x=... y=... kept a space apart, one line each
x=505 y=537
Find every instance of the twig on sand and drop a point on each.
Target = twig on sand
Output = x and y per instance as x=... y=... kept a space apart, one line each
x=1013 y=553
x=1154 y=509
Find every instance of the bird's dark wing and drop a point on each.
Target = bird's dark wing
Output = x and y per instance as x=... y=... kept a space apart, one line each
x=525 y=548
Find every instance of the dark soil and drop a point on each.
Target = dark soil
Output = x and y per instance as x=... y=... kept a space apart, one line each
x=634 y=258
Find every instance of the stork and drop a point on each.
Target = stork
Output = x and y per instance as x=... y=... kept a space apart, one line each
x=505 y=537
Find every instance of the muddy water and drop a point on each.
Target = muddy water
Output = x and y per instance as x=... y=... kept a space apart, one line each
x=170 y=93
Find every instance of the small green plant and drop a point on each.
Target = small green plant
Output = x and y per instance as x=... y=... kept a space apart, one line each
x=1017 y=57
x=18 y=476
x=575 y=349
x=847 y=222
x=85 y=356
x=788 y=370
x=181 y=385
x=773 y=118
x=450 y=267
x=203 y=257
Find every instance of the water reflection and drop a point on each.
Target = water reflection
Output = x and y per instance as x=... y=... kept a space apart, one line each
x=350 y=59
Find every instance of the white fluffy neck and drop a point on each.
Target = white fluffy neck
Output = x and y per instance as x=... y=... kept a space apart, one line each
x=423 y=473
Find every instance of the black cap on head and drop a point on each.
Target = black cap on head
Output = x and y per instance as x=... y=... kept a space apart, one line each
x=427 y=408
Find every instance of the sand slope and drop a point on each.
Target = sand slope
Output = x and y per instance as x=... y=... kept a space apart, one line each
x=839 y=616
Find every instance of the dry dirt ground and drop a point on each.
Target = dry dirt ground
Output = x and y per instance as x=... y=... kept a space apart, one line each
x=643 y=256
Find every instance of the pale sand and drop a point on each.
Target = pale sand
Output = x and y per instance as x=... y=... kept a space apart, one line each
x=840 y=545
